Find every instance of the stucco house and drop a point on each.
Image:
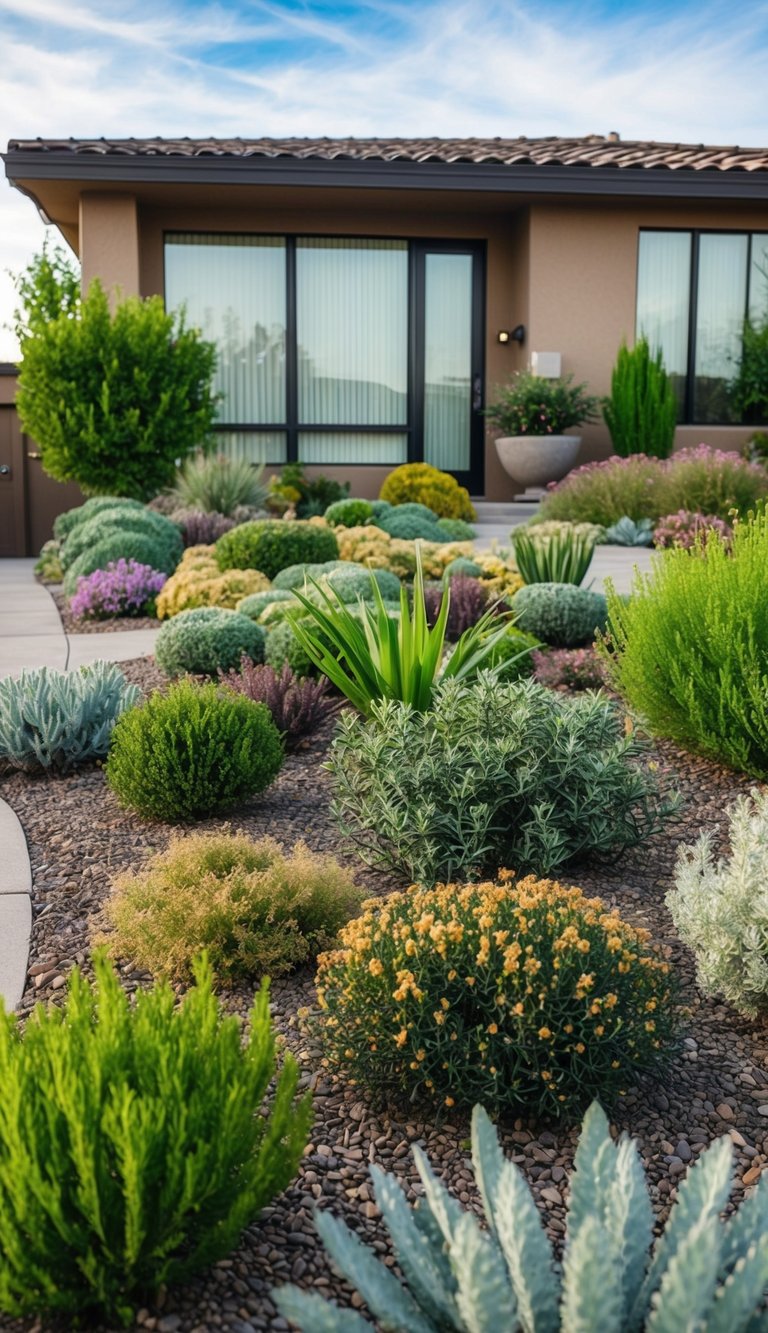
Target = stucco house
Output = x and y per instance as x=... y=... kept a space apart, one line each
x=367 y=295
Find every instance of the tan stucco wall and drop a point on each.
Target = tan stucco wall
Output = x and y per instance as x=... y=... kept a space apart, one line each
x=109 y=242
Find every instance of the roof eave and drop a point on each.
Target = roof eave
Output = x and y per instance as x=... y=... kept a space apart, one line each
x=655 y=182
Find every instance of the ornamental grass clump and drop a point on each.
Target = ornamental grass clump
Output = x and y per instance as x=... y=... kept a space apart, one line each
x=257 y=909
x=492 y=774
x=524 y=995
x=124 y=588
x=134 y=1144
x=720 y=908
x=699 y=1273
x=57 y=720
x=688 y=650
x=298 y=705
x=606 y=491
x=218 y=485
x=192 y=751
x=562 y=557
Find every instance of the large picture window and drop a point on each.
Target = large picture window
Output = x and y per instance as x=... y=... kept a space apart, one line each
x=694 y=291
x=339 y=350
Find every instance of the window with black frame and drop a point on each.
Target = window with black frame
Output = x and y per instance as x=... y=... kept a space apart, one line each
x=695 y=289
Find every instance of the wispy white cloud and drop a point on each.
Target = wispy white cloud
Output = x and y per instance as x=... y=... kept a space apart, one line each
x=450 y=67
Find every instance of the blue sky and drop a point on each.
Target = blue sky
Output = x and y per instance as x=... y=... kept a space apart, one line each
x=693 y=72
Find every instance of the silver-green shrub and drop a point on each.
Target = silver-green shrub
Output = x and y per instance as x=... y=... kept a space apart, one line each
x=207 y=640
x=699 y=1274
x=560 y=614
x=60 y=719
x=492 y=774
x=628 y=532
x=256 y=603
x=720 y=908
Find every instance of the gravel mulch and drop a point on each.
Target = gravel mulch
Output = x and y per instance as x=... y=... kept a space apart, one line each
x=717 y=1084
x=72 y=625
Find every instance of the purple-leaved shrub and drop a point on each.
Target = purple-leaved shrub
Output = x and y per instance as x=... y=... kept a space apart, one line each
x=298 y=704
x=468 y=603
x=124 y=588
x=578 y=668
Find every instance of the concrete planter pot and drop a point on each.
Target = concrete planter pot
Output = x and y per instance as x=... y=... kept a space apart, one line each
x=535 y=460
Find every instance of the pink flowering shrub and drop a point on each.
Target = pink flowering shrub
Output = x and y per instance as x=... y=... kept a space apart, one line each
x=701 y=480
x=578 y=668
x=685 y=527
x=124 y=588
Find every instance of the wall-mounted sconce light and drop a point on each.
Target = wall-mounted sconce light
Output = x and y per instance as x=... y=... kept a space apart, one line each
x=517 y=335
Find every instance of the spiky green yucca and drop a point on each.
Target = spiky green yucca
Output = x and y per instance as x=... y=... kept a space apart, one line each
x=689 y=650
x=641 y=413
x=699 y=1275
x=562 y=557
x=132 y=1148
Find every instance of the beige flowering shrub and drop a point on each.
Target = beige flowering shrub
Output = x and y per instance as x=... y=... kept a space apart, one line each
x=198 y=581
x=373 y=547
x=522 y=995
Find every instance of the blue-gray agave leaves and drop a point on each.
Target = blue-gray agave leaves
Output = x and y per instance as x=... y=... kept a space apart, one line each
x=702 y=1274
x=60 y=719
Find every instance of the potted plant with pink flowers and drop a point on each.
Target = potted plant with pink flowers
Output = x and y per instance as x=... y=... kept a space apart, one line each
x=536 y=419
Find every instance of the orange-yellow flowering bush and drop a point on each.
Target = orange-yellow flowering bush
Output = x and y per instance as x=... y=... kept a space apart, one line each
x=522 y=996
x=198 y=581
x=373 y=547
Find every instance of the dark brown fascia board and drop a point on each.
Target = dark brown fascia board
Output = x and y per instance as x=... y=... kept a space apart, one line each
x=8 y=368
x=654 y=182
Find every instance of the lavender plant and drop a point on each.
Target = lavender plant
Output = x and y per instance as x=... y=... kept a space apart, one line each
x=124 y=588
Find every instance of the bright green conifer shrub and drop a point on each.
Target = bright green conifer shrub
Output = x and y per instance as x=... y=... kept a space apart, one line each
x=641 y=413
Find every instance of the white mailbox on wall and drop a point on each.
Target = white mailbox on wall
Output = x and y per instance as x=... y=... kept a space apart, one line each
x=549 y=365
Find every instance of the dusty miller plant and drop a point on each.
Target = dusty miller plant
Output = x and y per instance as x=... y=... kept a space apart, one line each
x=720 y=907
x=60 y=719
x=699 y=1274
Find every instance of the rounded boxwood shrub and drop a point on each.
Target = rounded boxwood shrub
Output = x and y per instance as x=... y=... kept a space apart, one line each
x=422 y=483
x=151 y=1112
x=271 y=545
x=463 y=565
x=192 y=751
x=256 y=909
x=282 y=647
x=378 y=508
x=456 y=529
x=560 y=614
x=295 y=576
x=348 y=513
x=514 y=655
x=254 y=605
x=524 y=996
x=123 y=544
x=114 y=521
x=353 y=581
x=206 y=640
x=65 y=523
x=412 y=527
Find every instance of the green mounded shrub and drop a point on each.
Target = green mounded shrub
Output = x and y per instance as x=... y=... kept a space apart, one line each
x=641 y=413
x=492 y=774
x=456 y=529
x=378 y=508
x=219 y=485
x=60 y=719
x=194 y=750
x=256 y=909
x=420 y=483
x=462 y=565
x=513 y=656
x=615 y=1277
x=560 y=614
x=206 y=640
x=283 y=648
x=271 y=545
x=295 y=576
x=411 y=527
x=111 y=522
x=352 y=582
x=113 y=400
x=688 y=651
x=348 y=513
x=122 y=544
x=150 y=1115
x=65 y=523
x=523 y=994
x=256 y=603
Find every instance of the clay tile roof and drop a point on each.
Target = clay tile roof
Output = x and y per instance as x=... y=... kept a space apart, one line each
x=592 y=150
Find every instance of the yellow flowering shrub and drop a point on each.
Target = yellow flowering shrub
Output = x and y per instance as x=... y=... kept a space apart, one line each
x=427 y=485
x=198 y=581
x=371 y=546
x=500 y=577
x=522 y=996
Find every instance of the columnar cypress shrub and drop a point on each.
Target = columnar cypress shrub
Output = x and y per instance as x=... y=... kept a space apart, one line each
x=132 y=1151
x=641 y=412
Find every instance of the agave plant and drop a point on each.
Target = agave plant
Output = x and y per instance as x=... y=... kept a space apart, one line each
x=562 y=557
x=701 y=1274
x=375 y=655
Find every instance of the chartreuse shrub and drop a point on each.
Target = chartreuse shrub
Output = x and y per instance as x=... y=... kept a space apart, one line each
x=427 y=485
x=134 y=1147
x=198 y=581
x=60 y=719
x=615 y=1277
x=688 y=651
x=560 y=614
x=523 y=994
x=218 y=485
x=191 y=751
x=720 y=908
x=256 y=909
x=207 y=640
x=65 y=523
x=492 y=774
x=348 y=513
x=641 y=412
x=271 y=545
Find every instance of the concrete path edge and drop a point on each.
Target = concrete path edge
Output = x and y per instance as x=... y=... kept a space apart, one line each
x=15 y=907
